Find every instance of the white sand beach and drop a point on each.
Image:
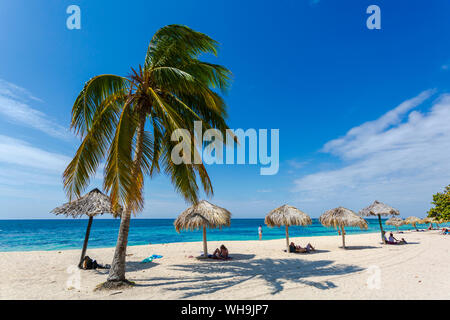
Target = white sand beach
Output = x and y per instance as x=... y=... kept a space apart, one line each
x=258 y=270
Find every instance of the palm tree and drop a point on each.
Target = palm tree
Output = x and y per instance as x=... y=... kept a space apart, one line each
x=129 y=122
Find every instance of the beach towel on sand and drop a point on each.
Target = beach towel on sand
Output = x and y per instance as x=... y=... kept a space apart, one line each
x=150 y=259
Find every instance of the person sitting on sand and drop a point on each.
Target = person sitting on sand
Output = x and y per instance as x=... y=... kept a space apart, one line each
x=221 y=253
x=444 y=231
x=88 y=264
x=392 y=240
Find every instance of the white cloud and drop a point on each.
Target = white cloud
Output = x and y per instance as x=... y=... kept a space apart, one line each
x=20 y=153
x=356 y=139
x=400 y=162
x=26 y=173
x=14 y=106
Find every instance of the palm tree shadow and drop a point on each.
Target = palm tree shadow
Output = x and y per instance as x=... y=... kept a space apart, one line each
x=234 y=257
x=207 y=278
x=138 y=266
x=316 y=251
x=360 y=247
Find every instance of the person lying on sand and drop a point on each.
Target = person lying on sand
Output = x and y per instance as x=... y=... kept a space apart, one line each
x=221 y=253
x=88 y=264
x=298 y=249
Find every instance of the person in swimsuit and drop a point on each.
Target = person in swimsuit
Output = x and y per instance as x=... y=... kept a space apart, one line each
x=221 y=253
x=88 y=264
x=299 y=249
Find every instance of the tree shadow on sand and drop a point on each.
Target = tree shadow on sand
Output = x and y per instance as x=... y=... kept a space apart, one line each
x=131 y=266
x=138 y=266
x=234 y=257
x=207 y=278
x=359 y=247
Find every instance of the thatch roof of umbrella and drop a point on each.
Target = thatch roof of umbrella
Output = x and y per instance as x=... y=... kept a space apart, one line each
x=396 y=222
x=203 y=215
x=430 y=220
x=91 y=204
x=340 y=218
x=379 y=208
x=287 y=215
x=426 y=220
x=412 y=221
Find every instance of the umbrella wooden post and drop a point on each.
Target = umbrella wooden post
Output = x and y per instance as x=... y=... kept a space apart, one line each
x=381 y=228
x=287 y=239
x=205 y=246
x=86 y=239
x=343 y=236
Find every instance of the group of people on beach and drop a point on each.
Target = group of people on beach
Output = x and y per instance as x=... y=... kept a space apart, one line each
x=393 y=240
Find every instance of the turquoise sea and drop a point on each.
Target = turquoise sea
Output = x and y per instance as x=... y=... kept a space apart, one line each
x=29 y=235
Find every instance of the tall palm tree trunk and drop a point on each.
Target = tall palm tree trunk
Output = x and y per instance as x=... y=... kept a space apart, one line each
x=117 y=271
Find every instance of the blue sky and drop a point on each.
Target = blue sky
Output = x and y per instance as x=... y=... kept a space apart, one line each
x=363 y=114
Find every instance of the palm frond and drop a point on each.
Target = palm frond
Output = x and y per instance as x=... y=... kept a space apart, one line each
x=98 y=91
x=76 y=176
x=118 y=177
x=177 y=40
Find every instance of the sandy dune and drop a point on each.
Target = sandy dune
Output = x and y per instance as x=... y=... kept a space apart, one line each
x=259 y=270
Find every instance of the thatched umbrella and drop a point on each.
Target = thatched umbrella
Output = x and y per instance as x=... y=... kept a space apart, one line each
x=379 y=209
x=287 y=216
x=425 y=220
x=412 y=221
x=91 y=204
x=340 y=218
x=430 y=220
x=396 y=222
x=203 y=215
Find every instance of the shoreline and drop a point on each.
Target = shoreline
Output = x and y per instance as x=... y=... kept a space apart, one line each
x=258 y=270
x=352 y=232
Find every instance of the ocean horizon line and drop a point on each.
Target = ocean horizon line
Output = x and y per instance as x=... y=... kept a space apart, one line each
x=65 y=234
